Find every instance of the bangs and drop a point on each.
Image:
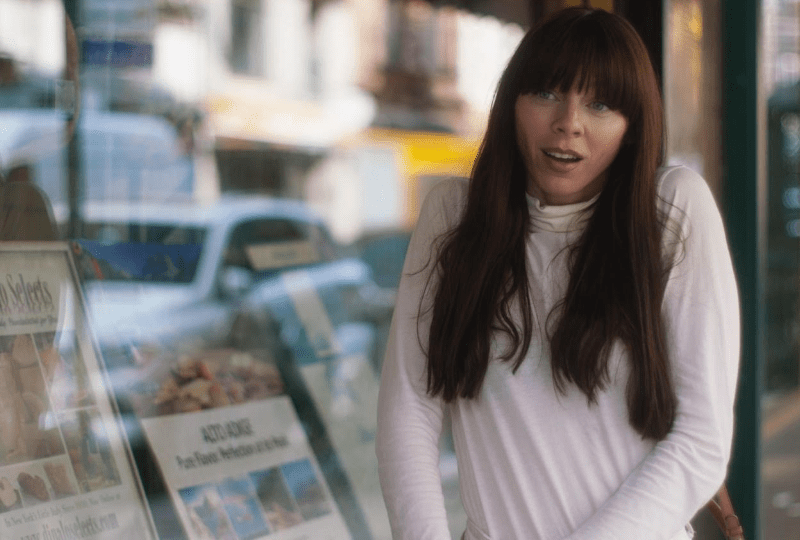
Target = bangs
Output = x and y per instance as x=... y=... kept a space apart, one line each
x=587 y=56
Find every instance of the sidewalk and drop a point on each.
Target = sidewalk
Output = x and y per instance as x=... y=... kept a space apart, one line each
x=780 y=467
x=779 y=412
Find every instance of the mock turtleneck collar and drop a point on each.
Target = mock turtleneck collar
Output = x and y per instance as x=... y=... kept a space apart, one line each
x=561 y=218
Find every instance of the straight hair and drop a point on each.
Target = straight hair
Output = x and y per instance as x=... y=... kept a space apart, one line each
x=617 y=272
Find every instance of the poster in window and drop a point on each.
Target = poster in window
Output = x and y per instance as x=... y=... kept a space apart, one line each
x=235 y=457
x=65 y=465
x=331 y=352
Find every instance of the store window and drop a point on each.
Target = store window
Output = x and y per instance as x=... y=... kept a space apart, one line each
x=181 y=355
x=693 y=91
x=779 y=87
x=197 y=354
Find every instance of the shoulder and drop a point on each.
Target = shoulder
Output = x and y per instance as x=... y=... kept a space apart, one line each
x=693 y=219
x=682 y=189
x=440 y=212
x=444 y=203
x=674 y=181
x=450 y=191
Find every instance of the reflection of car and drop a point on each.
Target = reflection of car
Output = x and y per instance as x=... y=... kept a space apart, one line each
x=177 y=275
x=384 y=252
x=124 y=156
x=320 y=311
x=204 y=307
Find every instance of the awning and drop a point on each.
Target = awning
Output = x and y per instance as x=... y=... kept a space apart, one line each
x=297 y=124
x=513 y=11
x=521 y=12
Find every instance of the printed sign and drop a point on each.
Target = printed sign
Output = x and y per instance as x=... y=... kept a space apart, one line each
x=271 y=255
x=233 y=453
x=65 y=466
x=344 y=387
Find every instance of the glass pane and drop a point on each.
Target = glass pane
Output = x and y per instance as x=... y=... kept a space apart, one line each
x=236 y=183
x=780 y=87
x=692 y=96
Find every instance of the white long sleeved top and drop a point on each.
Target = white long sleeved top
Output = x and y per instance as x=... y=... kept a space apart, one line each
x=537 y=465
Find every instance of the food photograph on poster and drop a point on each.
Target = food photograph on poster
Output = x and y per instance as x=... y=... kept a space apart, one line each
x=89 y=450
x=60 y=478
x=66 y=469
x=10 y=498
x=23 y=402
x=235 y=458
x=34 y=488
x=64 y=369
x=172 y=383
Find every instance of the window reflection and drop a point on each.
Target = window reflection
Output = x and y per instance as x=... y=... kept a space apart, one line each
x=780 y=87
x=692 y=87
x=345 y=113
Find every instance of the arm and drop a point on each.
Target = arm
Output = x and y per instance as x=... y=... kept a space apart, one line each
x=409 y=420
x=701 y=311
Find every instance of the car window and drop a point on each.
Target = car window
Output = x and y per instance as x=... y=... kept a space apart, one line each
x=266 y=245
x=385 y=254
x=134 y=168
x=162 y=253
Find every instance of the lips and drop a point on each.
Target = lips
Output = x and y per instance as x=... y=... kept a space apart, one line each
x=562 y=155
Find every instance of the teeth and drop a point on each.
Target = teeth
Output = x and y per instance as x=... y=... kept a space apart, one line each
x=562 y=156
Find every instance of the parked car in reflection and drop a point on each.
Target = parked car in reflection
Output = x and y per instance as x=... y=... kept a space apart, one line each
x=385 y=252
x=123 y=156
x=192 y=277
x=197 y=307
x=321 y=311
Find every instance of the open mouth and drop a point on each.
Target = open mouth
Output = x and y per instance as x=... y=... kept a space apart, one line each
x=562 y=157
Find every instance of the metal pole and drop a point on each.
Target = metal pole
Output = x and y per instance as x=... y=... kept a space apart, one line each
x=744 y=209
x=72 y=74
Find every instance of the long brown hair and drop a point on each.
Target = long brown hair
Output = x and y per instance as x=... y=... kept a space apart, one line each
x=617 y=271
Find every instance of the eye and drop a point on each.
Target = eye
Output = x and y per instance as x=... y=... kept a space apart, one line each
x=599 y=106
x=545 y=94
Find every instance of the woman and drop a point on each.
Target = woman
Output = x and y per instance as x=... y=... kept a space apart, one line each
x=572 y=307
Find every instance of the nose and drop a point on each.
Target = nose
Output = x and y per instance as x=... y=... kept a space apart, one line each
x=567 y=118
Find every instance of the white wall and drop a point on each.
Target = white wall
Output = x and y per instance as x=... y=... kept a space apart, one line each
x=181 y=60
x=484 y=47
x=33 y=33
x=336 y=44
x=288 y=43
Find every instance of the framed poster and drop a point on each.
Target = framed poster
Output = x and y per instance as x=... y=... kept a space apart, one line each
x=66 y=469
x=233 y=452
x=342 y=384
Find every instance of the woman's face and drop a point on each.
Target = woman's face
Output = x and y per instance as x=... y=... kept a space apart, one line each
x=567 y=141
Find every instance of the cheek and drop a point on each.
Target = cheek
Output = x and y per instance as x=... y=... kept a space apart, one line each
x=612 y=142
x=523 y=143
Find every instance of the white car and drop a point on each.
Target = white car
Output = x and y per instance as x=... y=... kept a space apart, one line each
x=124 y=156
x=181 y=276
x=243 y=275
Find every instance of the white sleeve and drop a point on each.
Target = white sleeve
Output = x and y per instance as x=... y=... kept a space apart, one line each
x=409 y=420
x=701 y=309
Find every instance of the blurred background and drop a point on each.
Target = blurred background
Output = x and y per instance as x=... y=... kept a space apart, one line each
x=244 y=175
